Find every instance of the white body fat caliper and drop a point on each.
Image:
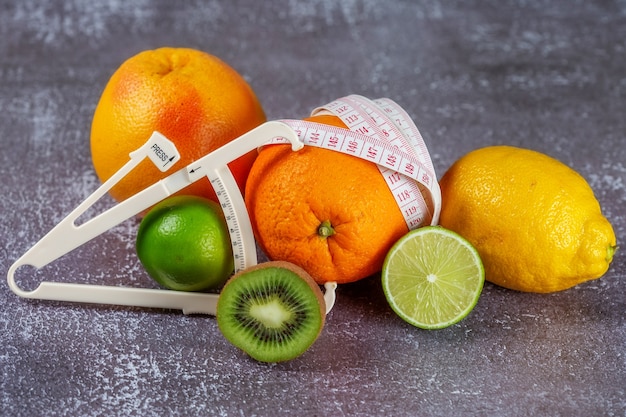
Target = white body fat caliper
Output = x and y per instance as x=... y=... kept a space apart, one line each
x=379 y=131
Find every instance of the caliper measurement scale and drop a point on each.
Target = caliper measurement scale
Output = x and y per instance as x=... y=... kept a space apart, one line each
x=67 y=235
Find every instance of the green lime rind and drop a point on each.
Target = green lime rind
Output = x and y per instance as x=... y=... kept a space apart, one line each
x=183 y=243
x=271 y=313
x=432 y=277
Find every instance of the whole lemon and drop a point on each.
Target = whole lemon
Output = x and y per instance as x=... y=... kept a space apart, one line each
x=534 y=221
x=183 y=243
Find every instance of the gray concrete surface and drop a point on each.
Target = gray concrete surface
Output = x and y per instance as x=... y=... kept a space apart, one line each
x=545 y=75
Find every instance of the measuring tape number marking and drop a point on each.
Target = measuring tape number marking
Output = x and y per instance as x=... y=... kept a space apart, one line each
x=381 y=132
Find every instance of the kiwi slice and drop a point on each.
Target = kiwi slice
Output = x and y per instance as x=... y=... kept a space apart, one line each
x=273 y=311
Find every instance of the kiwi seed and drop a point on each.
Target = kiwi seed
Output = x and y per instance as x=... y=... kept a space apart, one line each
x=272 y=311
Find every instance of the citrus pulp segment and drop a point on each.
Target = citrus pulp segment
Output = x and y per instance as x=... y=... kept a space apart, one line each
x=432 y=277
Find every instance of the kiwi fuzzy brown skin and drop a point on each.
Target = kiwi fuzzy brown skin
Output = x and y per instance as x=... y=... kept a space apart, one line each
x=255 y=349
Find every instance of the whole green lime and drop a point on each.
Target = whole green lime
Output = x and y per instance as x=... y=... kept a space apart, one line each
x=183 y=243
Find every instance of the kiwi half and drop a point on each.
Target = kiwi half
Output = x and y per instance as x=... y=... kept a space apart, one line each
x=273 y=311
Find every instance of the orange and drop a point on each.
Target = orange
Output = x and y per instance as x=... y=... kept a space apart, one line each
x=191 y=97
x=183 y=243
x=329 y=213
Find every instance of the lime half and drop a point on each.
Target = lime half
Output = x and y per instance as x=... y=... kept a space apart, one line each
x=432 y=277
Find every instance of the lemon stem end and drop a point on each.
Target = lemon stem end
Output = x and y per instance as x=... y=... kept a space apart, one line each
x=610 y=251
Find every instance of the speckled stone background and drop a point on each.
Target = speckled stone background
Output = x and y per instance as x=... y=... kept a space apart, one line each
x=546 y=75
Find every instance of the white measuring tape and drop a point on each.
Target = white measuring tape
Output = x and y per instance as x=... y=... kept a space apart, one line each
x=380 y=132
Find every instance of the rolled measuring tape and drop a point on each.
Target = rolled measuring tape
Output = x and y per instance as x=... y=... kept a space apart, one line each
x=380 y=131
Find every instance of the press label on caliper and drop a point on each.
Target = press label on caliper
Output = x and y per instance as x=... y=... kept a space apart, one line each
x=161 y=151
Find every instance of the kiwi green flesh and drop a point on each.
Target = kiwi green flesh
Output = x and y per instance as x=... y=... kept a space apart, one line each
x=273 y=312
